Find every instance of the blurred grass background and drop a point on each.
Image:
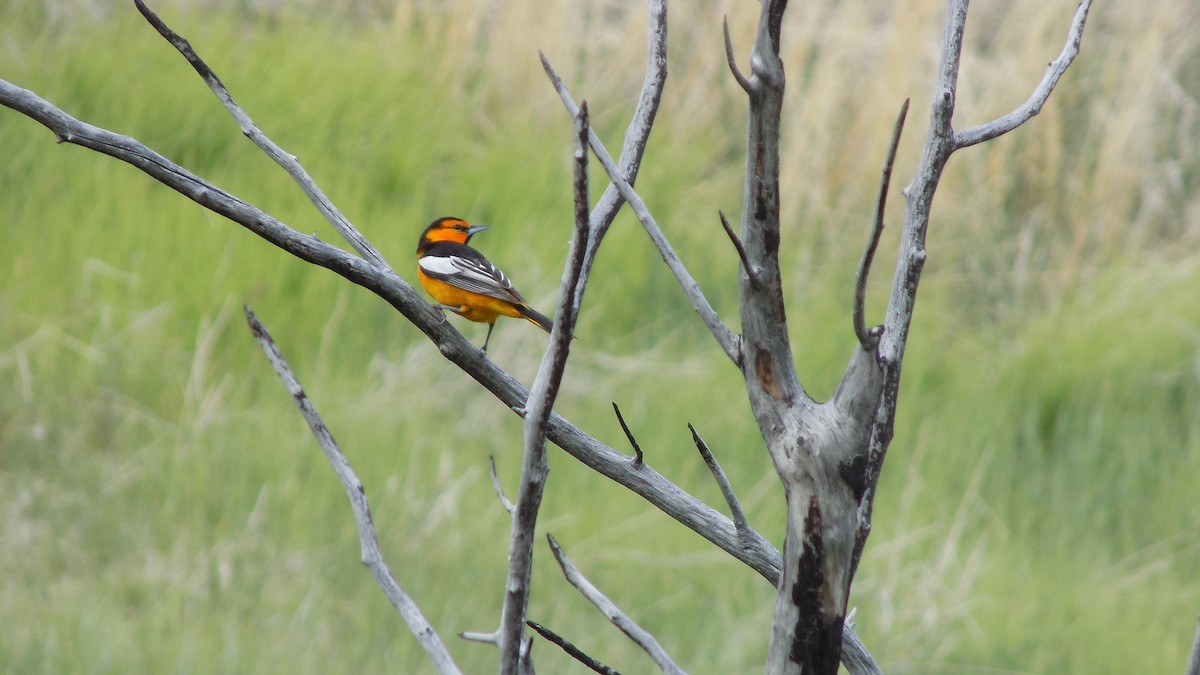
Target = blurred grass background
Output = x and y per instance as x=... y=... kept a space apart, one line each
x=163 y=508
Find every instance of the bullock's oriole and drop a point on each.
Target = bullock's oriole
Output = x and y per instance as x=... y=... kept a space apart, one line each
x=461 y=280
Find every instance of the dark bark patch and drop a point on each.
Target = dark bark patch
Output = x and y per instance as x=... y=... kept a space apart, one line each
x=764 y=371
x=771 y=239
x=816 y=645
x=854 y=474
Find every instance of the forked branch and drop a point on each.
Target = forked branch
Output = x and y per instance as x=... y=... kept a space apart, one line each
x=941 y=142
x=637 y=134
x=726 y=338
x=1041 y=93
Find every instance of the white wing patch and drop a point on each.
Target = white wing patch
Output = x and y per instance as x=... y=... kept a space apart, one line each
x=437 y=267
x=475 y=276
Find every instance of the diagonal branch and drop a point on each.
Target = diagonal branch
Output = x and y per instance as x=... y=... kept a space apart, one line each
x=1033 y=105
x=613 y=613
x=726 y=338
x=371 y=556
x=504 y=501
x=741 y=249
x=251 y=131
x=537 y=415
x=735 y=507
x=637 y=134
x=637 y=449
x=575 y=652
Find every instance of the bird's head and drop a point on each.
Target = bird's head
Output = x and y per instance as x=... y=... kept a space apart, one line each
x=448 y=229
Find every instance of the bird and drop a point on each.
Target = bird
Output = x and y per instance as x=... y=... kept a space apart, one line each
x=463 y=281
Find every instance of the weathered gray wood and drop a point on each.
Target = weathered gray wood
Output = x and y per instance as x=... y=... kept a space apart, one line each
x=372 y=558
x=941 y=142
x=829 y=455
x=640 y=636
x=534 y=465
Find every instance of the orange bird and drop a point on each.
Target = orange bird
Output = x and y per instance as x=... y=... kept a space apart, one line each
x=461 y=280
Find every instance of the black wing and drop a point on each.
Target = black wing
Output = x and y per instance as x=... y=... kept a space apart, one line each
x=462 y=266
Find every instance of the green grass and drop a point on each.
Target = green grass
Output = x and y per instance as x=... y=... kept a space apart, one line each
x=163 y=508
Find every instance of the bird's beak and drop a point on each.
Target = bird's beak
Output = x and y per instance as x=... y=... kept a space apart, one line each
x=475 y=228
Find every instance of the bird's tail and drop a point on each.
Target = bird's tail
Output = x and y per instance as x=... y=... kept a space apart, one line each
x=535 y=317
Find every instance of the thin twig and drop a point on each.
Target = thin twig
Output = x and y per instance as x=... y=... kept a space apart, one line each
x=735 y=507
x=505 y=501
x=614 y=614
x=575 y=652
x=869 y=339
x=372 y=558
x=741 y=249
x=745 y=84
x=726 y=338
x=1033 y=105
x=482 y=638
x=251 y=131
x=637 y=450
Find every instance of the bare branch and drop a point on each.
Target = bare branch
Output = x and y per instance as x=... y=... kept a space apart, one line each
x=637 y=134
x=537 y=415
x=941 y=142
x=372 y=558
x=737 y=244
x=735 y=507
x=618 y=618
x=726 y=338
x=732 y=61
x=1033 y=105
x=869 y=339
x=758 y=554
x=575 y=652
x=637 y=460
x=251 y=131
x=504 y=501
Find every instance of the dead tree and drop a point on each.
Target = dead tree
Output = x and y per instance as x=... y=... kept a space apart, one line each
x=828 y=454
